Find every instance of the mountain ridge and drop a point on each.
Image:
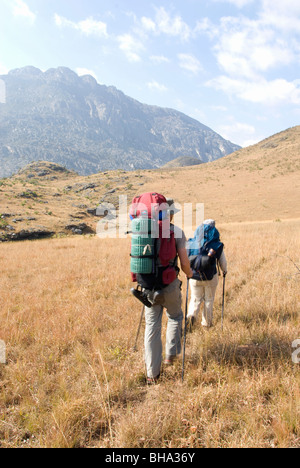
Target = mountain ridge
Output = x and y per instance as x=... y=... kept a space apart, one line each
x=74 y=121
x=256 y=184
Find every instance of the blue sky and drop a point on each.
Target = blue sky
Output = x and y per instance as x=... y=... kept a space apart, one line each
x=231 y=64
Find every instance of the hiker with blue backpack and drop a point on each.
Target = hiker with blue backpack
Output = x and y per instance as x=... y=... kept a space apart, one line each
x=206 y=254
x=156 y=245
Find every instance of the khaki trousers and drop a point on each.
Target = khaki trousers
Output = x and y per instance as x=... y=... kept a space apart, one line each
x=203 y=292
x=153 y=318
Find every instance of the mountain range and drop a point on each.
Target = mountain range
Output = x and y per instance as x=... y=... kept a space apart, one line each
x=258 y=183
x=87 y=127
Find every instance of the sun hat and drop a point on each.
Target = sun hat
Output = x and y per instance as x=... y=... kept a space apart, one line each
x=172 y=207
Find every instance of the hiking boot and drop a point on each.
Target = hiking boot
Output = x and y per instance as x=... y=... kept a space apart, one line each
x=190 y=324
x=169 y=361
x=153 y=380
x=141 y=296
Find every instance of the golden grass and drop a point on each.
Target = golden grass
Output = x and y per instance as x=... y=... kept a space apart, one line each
x=73 y=380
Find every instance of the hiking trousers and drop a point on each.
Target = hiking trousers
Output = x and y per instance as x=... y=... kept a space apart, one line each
x=153 y=340
x=203 y=292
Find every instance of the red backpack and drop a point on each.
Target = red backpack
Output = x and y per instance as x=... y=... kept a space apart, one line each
x=153 y=245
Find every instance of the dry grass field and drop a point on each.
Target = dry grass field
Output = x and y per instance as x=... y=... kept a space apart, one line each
x=73 y=380
x=69 y=321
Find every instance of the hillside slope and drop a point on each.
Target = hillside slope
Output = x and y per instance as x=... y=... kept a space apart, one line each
x=183 y=161
x=258 y=183
x=75 y=122
x=261 y=182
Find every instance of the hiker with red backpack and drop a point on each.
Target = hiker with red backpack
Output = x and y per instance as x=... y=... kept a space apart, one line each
x=156 y=246
x=206 y=253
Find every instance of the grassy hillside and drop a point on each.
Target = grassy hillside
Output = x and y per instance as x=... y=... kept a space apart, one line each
x=69 y=321
x=183 y=161
x=258 y=183
x=255 y=184
x=46 y=196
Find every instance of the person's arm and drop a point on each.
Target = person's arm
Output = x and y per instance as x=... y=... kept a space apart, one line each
x=223 y=263
x=185 y=263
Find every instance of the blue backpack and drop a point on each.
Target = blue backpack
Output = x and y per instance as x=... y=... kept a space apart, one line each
x=204 y=250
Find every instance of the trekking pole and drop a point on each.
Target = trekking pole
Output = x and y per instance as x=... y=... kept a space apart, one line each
x=223 y=301
x=139 y=329
x=185 y=326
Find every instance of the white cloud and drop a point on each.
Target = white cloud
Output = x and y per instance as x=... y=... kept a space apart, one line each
x=279 y=91
x=86 y=71
x=153 y=85
x=172 y=26
x=219 y=108
x=148 y=24
x=165 y=23
x=237 y=3
x=282 y=15
x=131 y=47
x=247 y=48
x=91 y=27
x=239 y=133
x=250 y=48
x=61 y=22
x=88 y=27
x=20 y=8
x=159 y=59
x=253 y=53
x=287 y=8
x=190 y=63
x=205 y=25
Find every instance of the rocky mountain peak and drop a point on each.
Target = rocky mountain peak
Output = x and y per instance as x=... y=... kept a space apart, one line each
x=73 y=121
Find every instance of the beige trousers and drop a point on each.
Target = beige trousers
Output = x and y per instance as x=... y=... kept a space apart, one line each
x=203 y=292
x=153 y=329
